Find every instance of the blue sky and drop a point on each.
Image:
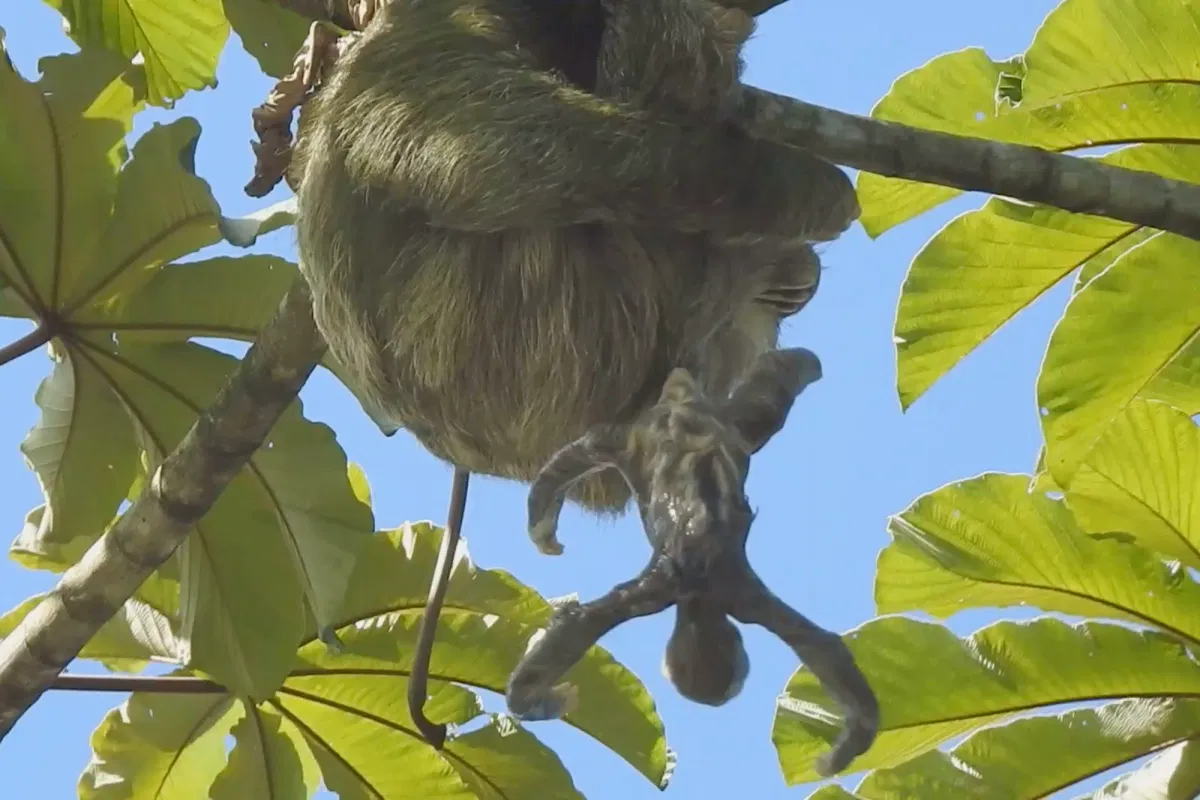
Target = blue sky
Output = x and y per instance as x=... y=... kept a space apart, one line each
x=824 y=487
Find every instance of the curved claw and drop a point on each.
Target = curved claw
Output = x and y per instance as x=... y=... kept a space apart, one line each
x=596 y=450
x=826 y=654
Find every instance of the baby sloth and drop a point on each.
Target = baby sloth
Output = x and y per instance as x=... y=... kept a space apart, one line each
x=686 y=460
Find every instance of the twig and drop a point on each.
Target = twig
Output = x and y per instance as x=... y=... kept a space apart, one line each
x=162 y=684
x=182 y=491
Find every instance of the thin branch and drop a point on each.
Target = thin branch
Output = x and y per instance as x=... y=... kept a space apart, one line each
x=1082 y=185
x=182 y=491
x=163 y=684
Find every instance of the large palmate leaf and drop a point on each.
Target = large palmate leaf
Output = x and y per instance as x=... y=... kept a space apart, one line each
x=1142 y=481
x=933 y=686
x=178 y=40
x=1038 y=756
x=1097 y=72
x=988 y=542
x=986 y=266
x=344 y=715
x=1102 y=353
x=92 y=261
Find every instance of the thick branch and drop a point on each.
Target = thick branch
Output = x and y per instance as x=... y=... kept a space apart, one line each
x=1083 y=185
x=180 y=493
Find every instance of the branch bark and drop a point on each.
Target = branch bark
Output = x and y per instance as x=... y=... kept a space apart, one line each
x=182 y=491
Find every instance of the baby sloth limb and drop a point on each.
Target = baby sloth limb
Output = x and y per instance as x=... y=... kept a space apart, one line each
x=686 y=460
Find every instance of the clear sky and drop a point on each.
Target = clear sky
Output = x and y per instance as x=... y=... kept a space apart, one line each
x=824 y=487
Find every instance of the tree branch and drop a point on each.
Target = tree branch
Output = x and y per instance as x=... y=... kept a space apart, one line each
x=1082 y=185
x=163 y=684
x=895 y=150
x=182 y=491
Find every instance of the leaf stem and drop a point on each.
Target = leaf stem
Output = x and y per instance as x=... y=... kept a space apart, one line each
x=31 y=341
x=166 y=684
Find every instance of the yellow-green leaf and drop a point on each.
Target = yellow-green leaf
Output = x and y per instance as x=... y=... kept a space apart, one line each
x=1102 y=353
x=269 y=32
x=158 y=746
x=267 y=763
x=1038 y=756
x=933 y=686
x=1142 y=480
x=1172 y=775
x=986 y=266
x=180 y=41
x=987 y=542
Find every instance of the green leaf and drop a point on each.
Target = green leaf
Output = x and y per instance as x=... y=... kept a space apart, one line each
x=1102 y=354
x=179 y=302
x=1097 y=73
x=998 y=672
x=270 y=33
x=393 y=572
x=180 y=41
x=1172 y=775
x=82 y=451
x=499 y=762
x=833 y=792
x=1178 y=384
x=62 y=142
x=986 y=266
x=281 y=538
x=1038 y=756
x=1142 y=479
x=162 y=211
x=987 y=542
x=159 y=746
x=267 y=763
x=129 y=641
x=369 y=678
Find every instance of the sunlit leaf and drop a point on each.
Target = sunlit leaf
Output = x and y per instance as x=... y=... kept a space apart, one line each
x=1102 y=353
x=933 y=686
x=985 y=266
x=1172 y=775
x=1037 y=756
x=179 y=40
x=159 y=746
x=987 y=542
x=244 y=231
x=267 y=763
x=1142 y=480
x=1097 y=72
x=270 y=33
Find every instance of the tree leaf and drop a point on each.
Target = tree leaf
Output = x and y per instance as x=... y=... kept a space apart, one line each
x=1178 y=384
x=266 y=763
x=179 y=303
x=987 y=542
x=497 y=764
x=985 y=266
x=136 y=635
x=82 y=451
x=159 y=746
x=1172 y=775
x=1142 y=479
x=1039 y=756
x=244 y=231
x=63 y=145
x=280 y=541
x=1003 y=670
x=1102 y=355
x=269 y=32
x=179 y=40
x=1096 y=73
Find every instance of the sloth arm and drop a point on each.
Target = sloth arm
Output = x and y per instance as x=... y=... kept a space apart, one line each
x=455 y=120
